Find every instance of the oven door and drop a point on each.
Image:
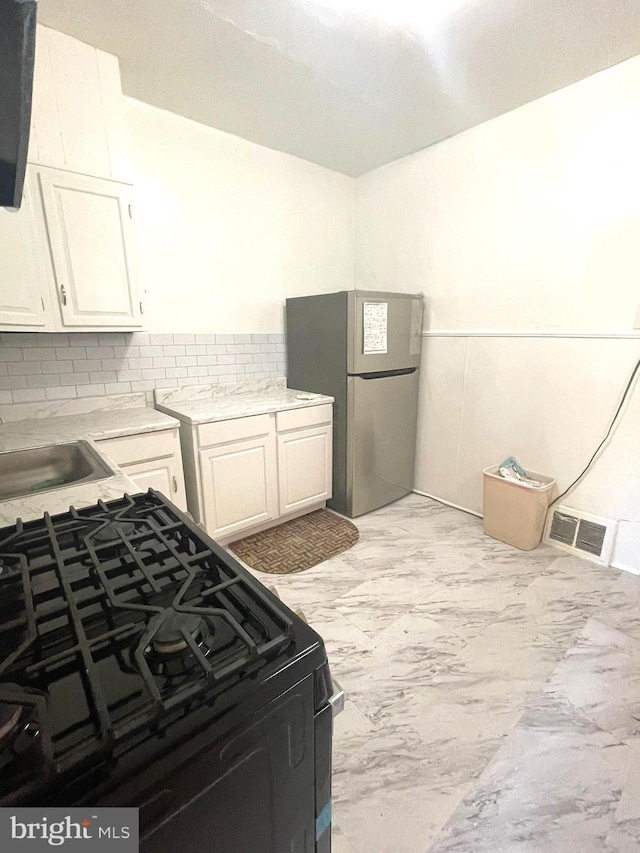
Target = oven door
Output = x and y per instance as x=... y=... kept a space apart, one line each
x=253 y=793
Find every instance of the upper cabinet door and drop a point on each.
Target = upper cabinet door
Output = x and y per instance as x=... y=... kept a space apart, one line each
x=93 y=249
x=22 y=277
x=77 y=118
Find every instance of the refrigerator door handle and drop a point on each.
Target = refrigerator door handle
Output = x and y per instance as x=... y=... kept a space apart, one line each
x=384 y=374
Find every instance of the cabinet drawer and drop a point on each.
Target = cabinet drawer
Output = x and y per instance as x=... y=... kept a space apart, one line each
x=138 y=448
x=300 y=418
x=233 y=430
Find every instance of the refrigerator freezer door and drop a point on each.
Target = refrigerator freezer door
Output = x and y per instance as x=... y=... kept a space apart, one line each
x=384 y=331
x=381 y=439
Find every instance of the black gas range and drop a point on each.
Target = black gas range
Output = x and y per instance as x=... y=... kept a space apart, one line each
x=141 y=665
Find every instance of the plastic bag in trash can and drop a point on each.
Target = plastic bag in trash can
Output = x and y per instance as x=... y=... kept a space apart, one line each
x=510 y=470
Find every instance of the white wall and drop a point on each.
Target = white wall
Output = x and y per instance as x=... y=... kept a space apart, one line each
x=529 y=221
x=524 y=233
x=228 y=229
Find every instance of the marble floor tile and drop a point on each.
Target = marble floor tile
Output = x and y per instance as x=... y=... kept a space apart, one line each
x=316 y=586
x=378 y=602
x=562 y=598
x=405 y=656
x=621 y=607
x=623 y=838
x=384 y=798
x=391 y=821
x=553 y=786
x=380 y=548
x=600 y=676
x=339 y=841
x=501 y=668
x=492 y=694
x=467 y=608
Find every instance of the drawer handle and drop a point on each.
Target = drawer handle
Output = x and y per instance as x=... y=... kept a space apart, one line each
x=175 y=483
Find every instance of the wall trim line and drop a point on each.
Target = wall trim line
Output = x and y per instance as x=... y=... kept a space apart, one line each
x=447 y=503
x=533 y=333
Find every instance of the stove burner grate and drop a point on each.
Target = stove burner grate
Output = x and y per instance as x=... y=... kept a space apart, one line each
x=130 y=606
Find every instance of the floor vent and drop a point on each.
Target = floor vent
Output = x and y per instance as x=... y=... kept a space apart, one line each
x=581 y=534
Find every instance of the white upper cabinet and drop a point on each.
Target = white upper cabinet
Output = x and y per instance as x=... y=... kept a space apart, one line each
x=77 y=118
x=93 y=249
x=68 y=257
x=23 y=299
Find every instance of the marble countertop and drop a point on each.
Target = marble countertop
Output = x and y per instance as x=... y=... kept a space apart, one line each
x=59 y=500
x=94 y=425
x=31 y=425
x=205 y=404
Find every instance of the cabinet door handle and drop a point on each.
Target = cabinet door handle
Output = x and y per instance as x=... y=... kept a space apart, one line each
x=63 y=295
x=175 y=483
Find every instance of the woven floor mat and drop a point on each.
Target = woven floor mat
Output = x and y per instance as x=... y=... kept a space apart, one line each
x=298 y=544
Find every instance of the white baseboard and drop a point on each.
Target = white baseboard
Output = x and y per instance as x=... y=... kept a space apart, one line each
x=629 y=569
x=447 y=503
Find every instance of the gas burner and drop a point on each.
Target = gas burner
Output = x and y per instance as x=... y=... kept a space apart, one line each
x=169 y=654
x=9 y=716
x=114 y=531
x=169 y=639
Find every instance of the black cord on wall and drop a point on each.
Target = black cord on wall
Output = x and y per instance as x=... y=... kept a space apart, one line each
x=608 y=433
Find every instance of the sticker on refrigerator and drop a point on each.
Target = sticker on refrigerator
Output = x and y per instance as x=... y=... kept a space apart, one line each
x=374 y=334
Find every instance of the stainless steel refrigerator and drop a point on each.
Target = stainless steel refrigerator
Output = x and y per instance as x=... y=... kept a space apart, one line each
x=363 y=348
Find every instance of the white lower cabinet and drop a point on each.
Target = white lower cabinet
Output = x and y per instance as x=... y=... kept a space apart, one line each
x=256 y=470
x=164 y=475
x=304 y=468
x=239 y=485
x=152 y=460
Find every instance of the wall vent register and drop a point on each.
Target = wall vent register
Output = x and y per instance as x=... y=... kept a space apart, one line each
x=587 y=535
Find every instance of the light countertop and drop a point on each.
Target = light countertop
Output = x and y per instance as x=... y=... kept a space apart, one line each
x=33 y=424
x=208 y=403
x=55 y=501
x=94 y=425
x=52 y=422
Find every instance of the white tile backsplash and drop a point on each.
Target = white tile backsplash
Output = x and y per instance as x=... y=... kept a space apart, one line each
x=39 y=366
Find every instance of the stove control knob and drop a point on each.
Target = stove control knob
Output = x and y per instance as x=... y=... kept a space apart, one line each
x=26 y=738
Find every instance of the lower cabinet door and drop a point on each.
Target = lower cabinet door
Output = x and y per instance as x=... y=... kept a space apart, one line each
x=163 y=475
x=239 y=485
x=153 y=460
x=304 y=468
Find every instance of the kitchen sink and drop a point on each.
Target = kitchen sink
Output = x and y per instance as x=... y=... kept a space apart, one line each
x=52 y=466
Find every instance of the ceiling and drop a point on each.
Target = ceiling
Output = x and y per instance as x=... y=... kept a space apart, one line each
x=343 y=88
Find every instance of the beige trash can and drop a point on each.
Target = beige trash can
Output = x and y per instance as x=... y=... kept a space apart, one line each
x=514 y=512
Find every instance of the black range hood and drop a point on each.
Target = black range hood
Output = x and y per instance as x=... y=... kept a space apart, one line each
x=17 y=50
